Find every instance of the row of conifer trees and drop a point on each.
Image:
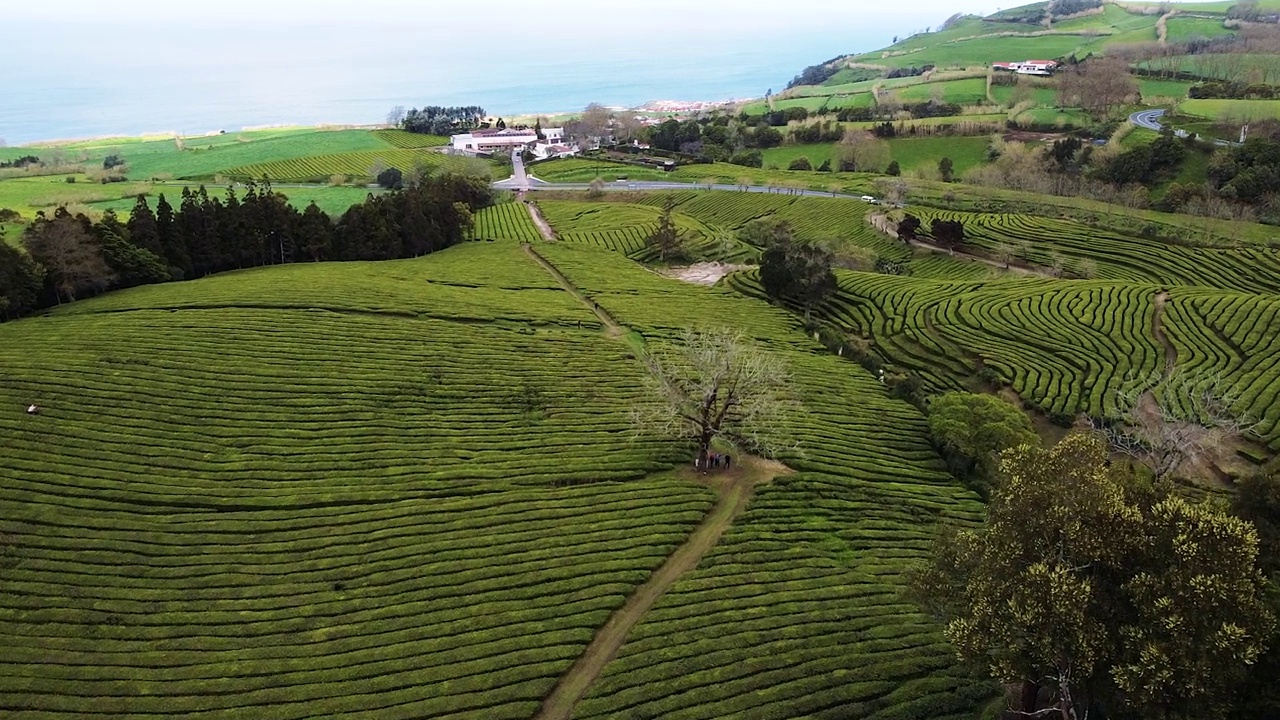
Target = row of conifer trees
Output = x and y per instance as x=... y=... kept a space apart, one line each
x=69 y=257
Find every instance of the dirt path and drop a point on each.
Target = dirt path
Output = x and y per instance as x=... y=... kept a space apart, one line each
x=547 y=233
x=986 y=261
x=735 y=491
x=1157 y=330
x=734 y=488
x=612 y=327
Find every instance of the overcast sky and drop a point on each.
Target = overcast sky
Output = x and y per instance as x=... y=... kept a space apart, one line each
x=710 y=14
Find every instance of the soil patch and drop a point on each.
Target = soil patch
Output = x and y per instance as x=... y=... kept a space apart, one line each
x=705 y=273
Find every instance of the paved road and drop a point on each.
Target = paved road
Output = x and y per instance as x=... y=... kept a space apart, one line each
x=1150 y=119
x=635 y=186
x=520 y=180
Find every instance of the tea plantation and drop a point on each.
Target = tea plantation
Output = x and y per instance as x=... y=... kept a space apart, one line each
x=412 y=489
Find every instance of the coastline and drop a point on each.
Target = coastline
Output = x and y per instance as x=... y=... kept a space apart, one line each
x=654 y=107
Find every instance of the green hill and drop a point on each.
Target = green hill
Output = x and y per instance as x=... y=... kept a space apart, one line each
x=258 y=492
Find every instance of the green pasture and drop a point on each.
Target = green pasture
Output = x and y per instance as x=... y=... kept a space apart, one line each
x=1246 y=67
x=979 y=118
x=912 y=153
x=1062 y=117
x=857 y=100
x=1155 y=90
x=1009 y=95
x=1210 y=7
x=982 y=51
x=969 y=91
x=1232 y=109
x=812 y=104
x=204 y=157
x=28 y=195
x=1182 y=29
x=854 y=87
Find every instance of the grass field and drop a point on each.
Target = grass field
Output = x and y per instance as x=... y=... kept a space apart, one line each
x=969 y=91
x=205 y=156
x=1010 y=96
x=1182 y=29
x=286 y=155
x=1232 y=109
x=1156 y=90
x=919 y=153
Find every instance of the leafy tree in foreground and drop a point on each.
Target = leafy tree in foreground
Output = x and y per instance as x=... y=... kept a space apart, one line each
x=1080 y=586
x=718 y=384
x=1257 y=500
x=946 y=169
x=973 y=429
x=21 y=280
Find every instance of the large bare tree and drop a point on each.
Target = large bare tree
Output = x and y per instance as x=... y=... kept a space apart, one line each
x=719 y=384
x=70 y=254
x=862 y=151
x=1175 y=418
x=1099 y=86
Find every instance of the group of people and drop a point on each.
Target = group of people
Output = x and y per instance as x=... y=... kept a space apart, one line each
x=713 y=461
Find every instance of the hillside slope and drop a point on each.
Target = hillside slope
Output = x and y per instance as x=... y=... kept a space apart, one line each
x=412 y=489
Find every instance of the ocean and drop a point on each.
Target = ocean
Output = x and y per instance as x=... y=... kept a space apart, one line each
x=116 y=76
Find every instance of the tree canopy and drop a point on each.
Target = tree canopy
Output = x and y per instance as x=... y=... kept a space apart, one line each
x=972 y=430
x=791 y=270
x=718 y=384
x=1083 y=586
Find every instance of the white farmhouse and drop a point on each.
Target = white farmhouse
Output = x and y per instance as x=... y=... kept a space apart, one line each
x=505 y=140
x=1043 y=68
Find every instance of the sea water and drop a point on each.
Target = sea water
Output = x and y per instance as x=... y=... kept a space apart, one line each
x=85 y=75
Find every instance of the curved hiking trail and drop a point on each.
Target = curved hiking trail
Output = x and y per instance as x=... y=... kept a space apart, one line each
x=734 y=489
x=1157 y=331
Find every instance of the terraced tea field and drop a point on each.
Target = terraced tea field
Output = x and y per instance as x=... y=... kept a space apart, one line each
x=1250 y=267
x=507 y=221
x=625 y=228
x=796 y=612
x=1064 y=346
x=319 y=168
x=412 y=489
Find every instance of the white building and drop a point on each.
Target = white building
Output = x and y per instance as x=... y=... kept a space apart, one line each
x=1043 y=68
x=506 y=140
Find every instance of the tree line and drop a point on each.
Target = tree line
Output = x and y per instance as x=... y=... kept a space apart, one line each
x=437 y=120
x=70 y=257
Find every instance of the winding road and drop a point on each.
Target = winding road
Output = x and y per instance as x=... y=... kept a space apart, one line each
x=1150 y=120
